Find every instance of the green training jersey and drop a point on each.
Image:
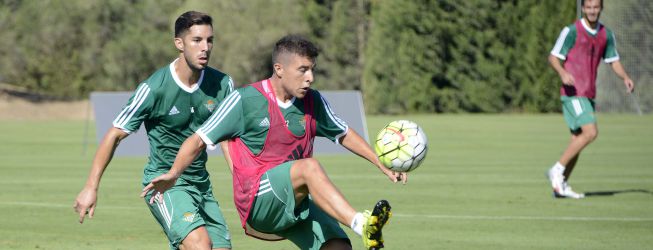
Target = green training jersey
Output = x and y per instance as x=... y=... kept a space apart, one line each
x=567 y=39
x=171 y=111
x=244 y=113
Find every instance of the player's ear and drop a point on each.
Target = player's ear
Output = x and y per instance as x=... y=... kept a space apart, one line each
x=179 y=43
x=278 y=69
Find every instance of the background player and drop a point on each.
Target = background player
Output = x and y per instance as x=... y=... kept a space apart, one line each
x=173 y=102
x=581 y=46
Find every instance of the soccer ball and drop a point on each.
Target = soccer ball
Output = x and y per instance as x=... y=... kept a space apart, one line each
x=401 y=145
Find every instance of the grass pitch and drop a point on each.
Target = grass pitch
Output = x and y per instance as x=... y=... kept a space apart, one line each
x=482 y=186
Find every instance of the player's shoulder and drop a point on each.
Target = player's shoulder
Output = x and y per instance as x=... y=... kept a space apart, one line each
x=315 y=94
x=607 y=29
x=571 y=29
x=213 y=73
x=249 y=91
x=157 y=79
x=215 y=80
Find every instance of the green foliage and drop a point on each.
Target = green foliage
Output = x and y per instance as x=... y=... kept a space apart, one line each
x=402 y=57
x=406 y=56
x=40 y=48
x=137 y=40
x=462 y=56
x=69 y=48
x=537 y=84
x=339 y=28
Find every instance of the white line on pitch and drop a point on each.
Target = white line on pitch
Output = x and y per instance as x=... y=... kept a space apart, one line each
x=415 y=216
x=551 y=218
x=52 y=205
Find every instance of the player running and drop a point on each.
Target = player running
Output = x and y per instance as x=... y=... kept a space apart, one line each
x=172 y=103
x=279 y=190
x=581 y=46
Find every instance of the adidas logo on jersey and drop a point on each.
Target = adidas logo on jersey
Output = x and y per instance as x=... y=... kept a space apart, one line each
x=264 y=123
x=173 y=111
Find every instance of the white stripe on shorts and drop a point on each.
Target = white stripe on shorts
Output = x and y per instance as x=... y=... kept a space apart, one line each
x=164 y=211
x=264 y=187
x=260 y=192
x=577 y=107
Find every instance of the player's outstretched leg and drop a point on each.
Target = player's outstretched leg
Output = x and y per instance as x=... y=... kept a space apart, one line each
x=375 y=220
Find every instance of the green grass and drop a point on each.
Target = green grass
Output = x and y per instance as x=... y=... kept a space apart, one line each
x=482 y=186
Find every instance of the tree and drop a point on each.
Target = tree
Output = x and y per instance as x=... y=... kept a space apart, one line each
x=403 y=57
x=69 y=48
x=340 y=30
x=538 y=84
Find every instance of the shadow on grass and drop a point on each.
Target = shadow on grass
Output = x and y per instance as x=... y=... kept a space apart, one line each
x=614 y=192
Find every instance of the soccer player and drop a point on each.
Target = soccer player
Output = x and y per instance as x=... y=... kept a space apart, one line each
x=172 y=103
x=581 y=46
x=279 y=190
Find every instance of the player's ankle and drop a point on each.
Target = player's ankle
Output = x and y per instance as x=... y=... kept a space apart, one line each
x=357 y=223
x=558 y=167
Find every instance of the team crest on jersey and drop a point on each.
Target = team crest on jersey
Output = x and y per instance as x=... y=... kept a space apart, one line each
x=303 y=121
x=188 y=217
x=210 y=105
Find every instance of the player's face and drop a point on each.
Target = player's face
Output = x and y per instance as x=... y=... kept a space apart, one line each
x=297 y=75
x=196 y=45
x=592 y=10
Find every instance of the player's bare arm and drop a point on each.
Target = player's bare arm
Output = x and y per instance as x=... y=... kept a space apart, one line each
x=621 y=72
x=565 y=77
x=189 y=150
x=225 y=151
x=87 y=198
x=357 y=145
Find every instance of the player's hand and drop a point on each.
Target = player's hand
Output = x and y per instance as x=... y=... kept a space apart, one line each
x=630 y=85
x=159 y=185
x=85 y=203
x=567 y=79
x=395 y=176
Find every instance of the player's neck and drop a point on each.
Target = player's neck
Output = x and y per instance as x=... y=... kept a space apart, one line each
x=279 y=92
x=186 y=74
x=592 y=25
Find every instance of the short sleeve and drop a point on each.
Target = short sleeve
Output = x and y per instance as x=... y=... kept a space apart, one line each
x=329 y=125
x=564 y=43
x=610 y=55
x=227 y=84
x=225 y=123
x=138 y=108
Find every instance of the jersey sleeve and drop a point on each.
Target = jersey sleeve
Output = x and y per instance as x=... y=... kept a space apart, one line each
x=328 y=124
x=228 y=86
x=564 y=43
x=610 y=55
x=138 y=108
x=225 y=123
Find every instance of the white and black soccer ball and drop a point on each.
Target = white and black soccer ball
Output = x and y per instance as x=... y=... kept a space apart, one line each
x=401 y=145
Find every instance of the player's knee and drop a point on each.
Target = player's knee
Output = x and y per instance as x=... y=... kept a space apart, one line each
x=195 y=244
x=196 y=240
x=591 y=134
x=336 y=244
x=311 y=166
